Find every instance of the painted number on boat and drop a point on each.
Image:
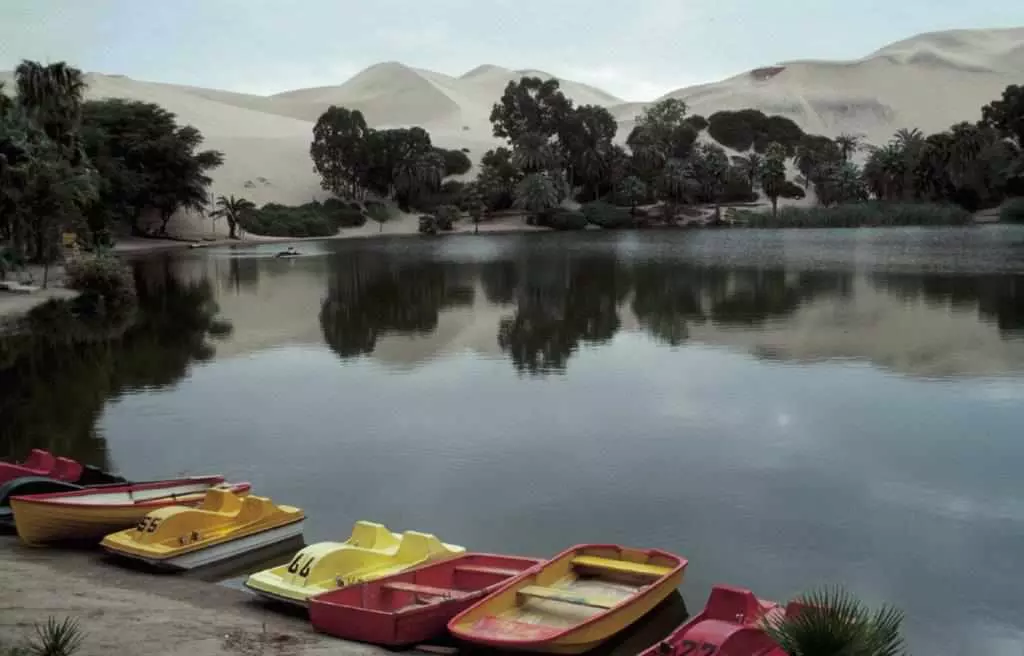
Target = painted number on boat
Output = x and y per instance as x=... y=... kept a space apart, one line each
x=148 y=524
x=293 y=566
x=691 y=648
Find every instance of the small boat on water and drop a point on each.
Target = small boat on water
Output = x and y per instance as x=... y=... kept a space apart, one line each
x=91 y=513
x=574 y=602
x=289 y=252
x=413 y=606
x=729 y=625
x=45 y=464
x=370 y=553
x=224 y=526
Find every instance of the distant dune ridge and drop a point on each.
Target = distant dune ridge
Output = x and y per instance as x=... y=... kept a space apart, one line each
x=929 y=81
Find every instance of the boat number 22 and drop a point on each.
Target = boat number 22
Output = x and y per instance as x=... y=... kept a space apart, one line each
x=293 y=566
x=695 y=649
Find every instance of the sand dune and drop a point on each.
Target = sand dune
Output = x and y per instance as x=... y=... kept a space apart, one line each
x=928 y=81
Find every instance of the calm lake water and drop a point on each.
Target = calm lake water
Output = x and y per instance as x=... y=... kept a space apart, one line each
x=785 y=409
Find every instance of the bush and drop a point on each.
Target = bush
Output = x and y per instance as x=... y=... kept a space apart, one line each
x=104 y=279
x=446 y=215
x=561 y=218
x=428 y=224
x=791 y=189
x=312 y=219
x=750 y=128
x=858 y=215
x=1012 y=211
x=608 y=216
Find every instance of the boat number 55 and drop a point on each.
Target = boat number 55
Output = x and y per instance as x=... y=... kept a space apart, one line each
x=148 y=524
x=696 y=649
x=294 y=565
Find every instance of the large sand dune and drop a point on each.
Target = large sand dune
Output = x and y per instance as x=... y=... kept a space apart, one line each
x=928 y=81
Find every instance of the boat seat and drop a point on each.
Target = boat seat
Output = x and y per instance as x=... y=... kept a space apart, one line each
x=566 y=597
x=39 y=460
x=371 y=535
x=66 y=469
x=483 y=569
x=254 y=508
x=220 y=501
x=731 y=604
x=622 y=566
x=424 y=590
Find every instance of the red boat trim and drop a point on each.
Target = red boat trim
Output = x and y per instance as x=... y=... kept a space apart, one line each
x=53 y=498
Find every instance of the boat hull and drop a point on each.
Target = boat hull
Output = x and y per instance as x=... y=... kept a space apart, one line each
x=44 y=518
x=219 y=552
x=413 y=606
x=564 y=607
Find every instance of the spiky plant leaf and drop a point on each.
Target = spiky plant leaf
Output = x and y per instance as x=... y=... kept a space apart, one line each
x=54 y=638
x=833 y=622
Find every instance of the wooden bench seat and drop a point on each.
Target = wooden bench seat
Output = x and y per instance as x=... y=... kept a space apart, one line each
x=415 y=588
x=482 y=569
x=566 y=597
x=623 y=566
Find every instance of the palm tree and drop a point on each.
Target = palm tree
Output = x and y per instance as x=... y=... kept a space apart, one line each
x=536 y=193
x=885 y=171
x=52 y=97
x=710 y=168
x=232 y=209
x=773 y=174
x=677 y=184
x=750 y=166
x=849 y=144
x=532 y=152
x=832 y=622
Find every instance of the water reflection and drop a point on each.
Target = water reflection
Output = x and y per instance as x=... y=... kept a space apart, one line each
x=55 y=382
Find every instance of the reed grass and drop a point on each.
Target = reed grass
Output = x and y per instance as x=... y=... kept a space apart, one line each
x=857 y=215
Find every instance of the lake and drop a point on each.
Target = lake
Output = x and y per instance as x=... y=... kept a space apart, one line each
x=785 y=409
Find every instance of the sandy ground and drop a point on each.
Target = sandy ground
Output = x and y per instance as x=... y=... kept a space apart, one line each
x=130 y=612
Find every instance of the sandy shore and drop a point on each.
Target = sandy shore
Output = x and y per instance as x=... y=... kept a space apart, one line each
x=124 y=611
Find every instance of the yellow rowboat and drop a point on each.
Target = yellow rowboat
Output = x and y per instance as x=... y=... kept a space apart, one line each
x=91 y=513
x=372 y=552
x=574 y=602
x=224 y=526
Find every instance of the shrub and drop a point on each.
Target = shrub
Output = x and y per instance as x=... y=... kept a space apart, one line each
x=608 y=216
x=428 y=224
x=312 y=219
x=1012 y=211
x=560 y=218
x=446 y=216
x=104 y=279
x=858 y=215
x=790 y=189
x=750 y=128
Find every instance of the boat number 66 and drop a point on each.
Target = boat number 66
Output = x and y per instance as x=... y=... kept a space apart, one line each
x=294 y=565
x=148 y=524
x=691 y=647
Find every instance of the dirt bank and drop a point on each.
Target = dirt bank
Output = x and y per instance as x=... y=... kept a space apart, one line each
x=133 y=613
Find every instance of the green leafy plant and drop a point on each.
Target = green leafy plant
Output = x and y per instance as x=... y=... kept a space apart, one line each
x=833 y=622
x=103 y=279
x=56 y=638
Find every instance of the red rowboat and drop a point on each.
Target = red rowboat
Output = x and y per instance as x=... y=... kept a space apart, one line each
x=729 y=625
x=415 y=605
x=41 y=463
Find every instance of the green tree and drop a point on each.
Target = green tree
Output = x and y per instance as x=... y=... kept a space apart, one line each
x=232 y=209
x=633 y=190
x=848 y=144
x=339 y=151
x=530 y=105
x=710 y=169
x=532 y=152
x=535 y=193
x=773 y=174
x=751 y=166
x=585 y=139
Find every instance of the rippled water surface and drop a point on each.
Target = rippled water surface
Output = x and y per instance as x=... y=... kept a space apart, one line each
x=783 y=408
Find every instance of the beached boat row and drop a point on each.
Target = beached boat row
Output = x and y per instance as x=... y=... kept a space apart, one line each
x=386 y=588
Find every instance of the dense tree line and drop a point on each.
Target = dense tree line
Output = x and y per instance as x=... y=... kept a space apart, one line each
x=400 y=164
x=90 y=167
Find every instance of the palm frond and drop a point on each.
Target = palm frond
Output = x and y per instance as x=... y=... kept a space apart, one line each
x=54 y=638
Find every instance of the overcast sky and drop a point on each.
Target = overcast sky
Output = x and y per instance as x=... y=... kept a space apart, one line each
x=636 y=49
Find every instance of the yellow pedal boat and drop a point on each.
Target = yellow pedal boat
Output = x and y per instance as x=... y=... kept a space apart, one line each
x=224 y=526
x=370 y=553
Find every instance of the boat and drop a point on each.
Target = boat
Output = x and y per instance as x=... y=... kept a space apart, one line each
x=224 y=526
x=413 y=606
x=43 y=463
x=91 y=513
x=574 y=602
x=290 y=252
x=27 y=485
x=729 y=625
x=371 y=552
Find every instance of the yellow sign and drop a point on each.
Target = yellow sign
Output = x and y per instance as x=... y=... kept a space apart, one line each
x=70 y=239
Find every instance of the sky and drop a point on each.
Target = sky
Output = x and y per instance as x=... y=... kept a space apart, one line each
x=635 y=49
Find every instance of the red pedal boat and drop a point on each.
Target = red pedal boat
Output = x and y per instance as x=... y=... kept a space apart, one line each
x=413 y=606
x=729 y=625
x=41 y=463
